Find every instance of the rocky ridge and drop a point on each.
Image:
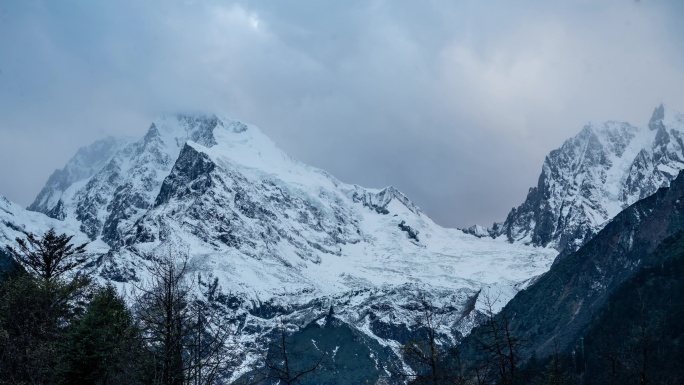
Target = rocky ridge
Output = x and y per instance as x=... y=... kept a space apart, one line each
x=591 y=178
x=282 y=238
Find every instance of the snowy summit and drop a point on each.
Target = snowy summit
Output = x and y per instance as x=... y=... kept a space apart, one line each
x=272 y=229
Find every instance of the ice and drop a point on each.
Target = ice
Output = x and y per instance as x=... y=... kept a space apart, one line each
x=274 y=230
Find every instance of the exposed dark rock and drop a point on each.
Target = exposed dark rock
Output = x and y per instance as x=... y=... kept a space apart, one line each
x=190 y=175
x=574 y=197
x=554 y=311
x=410 y=232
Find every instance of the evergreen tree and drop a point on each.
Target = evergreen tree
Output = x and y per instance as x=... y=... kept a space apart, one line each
x=50 y=257
x=37 y=304
x=103 y=346
x=29 y=333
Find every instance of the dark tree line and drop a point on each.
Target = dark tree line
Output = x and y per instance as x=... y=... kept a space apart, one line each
x=286 y=365
x=58 y=327
x=636 y=339
x=38 y=305
x=493 y=359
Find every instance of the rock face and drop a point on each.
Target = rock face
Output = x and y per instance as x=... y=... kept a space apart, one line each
x=15 y=222
x=122 y=180
x=594 y=176
x=554 y=312
x=283 y=238
x=87 y=161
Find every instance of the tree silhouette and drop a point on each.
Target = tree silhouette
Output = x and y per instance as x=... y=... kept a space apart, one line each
x=49 y=257
x=37 y=305
x=187 y=338
x=285 y=365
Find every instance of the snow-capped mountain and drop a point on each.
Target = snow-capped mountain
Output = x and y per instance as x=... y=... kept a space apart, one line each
x=87 y=161
x=591 y=178
x=287 y=239
x=283 y=238
x=633 y=252
x=15 y=222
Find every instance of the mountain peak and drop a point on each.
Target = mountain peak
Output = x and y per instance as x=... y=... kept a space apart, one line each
x=277 y=233
x=85 y=163
x=595 y=175
x=180 y=128
x=665 y=116
x=656 y=121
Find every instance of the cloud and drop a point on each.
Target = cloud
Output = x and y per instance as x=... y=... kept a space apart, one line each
x=455 y=103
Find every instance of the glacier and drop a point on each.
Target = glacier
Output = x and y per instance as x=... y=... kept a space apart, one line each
x=284 y=239
x=289 y=241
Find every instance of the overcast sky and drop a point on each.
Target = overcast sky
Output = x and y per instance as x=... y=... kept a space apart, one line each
x=454 y=103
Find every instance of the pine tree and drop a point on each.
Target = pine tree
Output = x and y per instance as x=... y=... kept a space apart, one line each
x=29 y=334
x=50 y=257
x=103 y=346
x=37 y=304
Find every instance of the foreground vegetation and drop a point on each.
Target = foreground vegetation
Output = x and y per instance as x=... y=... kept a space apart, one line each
x=57 y=326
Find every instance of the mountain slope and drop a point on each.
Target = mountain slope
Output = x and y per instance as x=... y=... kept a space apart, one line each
x=594 y=176
x=557 y=309
x=126 y=182
x=283 y=238
x=15 y=222
x=87 y=161
x=640 y=327
x=301 y=221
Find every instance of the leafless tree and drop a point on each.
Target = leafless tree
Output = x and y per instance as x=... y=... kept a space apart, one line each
x=188 y=338
x=642 y=341
x=284 y=365
x=210 y=352
x=554 y=373
x=429 y=361
x=499 y=345
x=428 y=357
x=607 y=350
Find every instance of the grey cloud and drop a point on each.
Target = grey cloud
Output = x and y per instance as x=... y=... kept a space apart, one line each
x=455 y=103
